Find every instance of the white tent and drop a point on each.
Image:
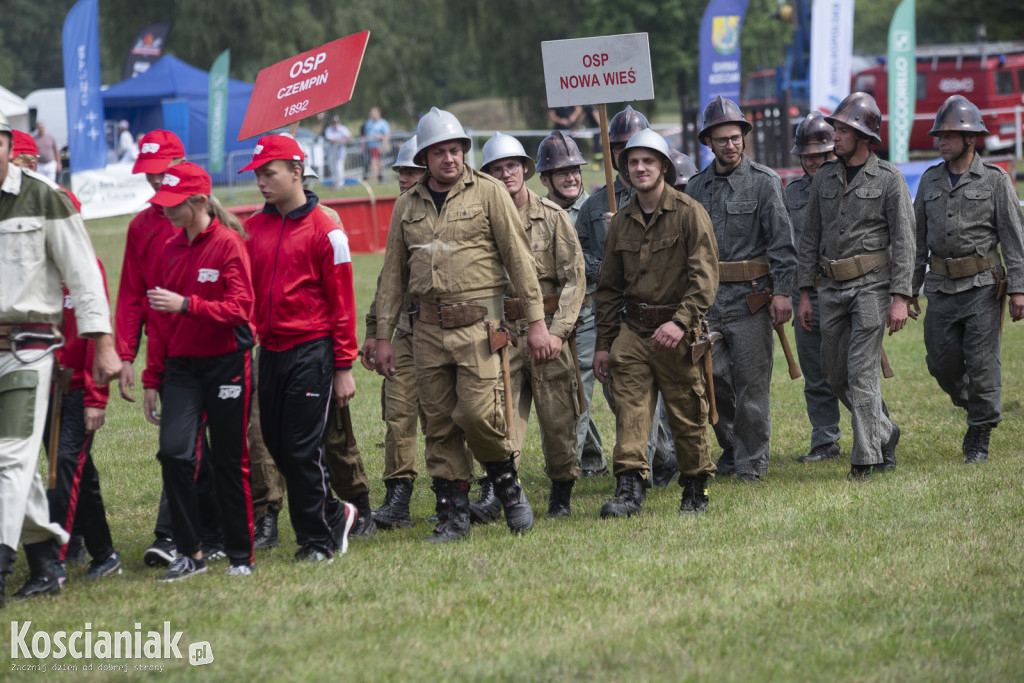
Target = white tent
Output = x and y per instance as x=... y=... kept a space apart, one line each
x=14 y=108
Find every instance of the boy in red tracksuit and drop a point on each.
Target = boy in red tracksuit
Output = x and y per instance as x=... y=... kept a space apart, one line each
x=305 y=315
x=198 y=363
x=147 y=233
x=76 y=500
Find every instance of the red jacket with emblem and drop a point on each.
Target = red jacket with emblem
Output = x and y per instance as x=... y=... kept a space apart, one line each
x=78 y=352
x=146 y=236
x=302 y=273
x=214 y=274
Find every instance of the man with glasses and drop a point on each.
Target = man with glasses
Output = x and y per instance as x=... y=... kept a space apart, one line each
x=756 y=273
x=559 y=262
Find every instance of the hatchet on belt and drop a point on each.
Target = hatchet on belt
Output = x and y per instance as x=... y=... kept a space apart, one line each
x=701 y=348
x=61 y=386
x=500 y=339
x=758 y=300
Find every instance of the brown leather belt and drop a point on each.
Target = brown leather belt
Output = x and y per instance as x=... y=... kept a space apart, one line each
x=965 y=266
x=646 y=315
x=448 y=316
x=514 y=309
x=6 y=331
x=742 y=271
x=855 y=266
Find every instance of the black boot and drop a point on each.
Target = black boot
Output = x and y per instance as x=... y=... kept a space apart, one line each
x=978 y=450
x=452 y=510
x=695 y=495
x=364 y=527
x=7 y=556
x=727 y=462
x=395 y=510
x=42 y=578
x=889 y=452
x=558 y=501
x=518 y=513
x=969 y=436
x=629 y=496
x=487 y=510
x=265 y=531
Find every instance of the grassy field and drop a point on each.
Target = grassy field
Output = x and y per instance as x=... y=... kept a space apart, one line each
x=916 y=575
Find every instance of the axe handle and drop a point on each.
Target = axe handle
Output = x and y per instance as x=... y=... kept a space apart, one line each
x=794 y=369
x=710 y=387
x=886 y=368
x=61 y=383
x=506 y=379
x=581 y=395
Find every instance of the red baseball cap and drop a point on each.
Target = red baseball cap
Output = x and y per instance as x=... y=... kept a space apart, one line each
x=157 y=150
x=271 y=147
x=180 y=182
x=22 y=143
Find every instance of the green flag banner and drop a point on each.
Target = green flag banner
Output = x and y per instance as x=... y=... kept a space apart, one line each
x=902 y=76
x=217 y=111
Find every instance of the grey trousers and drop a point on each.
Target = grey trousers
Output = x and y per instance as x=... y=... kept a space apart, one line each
x=852 y=329
x=743 y=373
x=961 y=337
x=822 y=403
x=588 y=442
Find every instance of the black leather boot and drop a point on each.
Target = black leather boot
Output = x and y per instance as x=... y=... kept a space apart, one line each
x=395 y=510
x=978 y=449
x=7 y=556
x=695 y=495
x=42 y=578
x=518 y=513
x=364 y=527
x=265 y=531
x=629 y=496
x=486 y=510
x=558 y=501
x=452 y=510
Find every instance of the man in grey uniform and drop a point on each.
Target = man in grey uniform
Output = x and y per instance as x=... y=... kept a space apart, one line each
x=42 y=242
x=814 y=146
x=756 y=274
x=859 y=235
x=965 y=208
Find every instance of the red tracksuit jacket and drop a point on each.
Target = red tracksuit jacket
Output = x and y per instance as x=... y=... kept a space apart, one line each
x=146 y=236
x=302 y=273
x=77 y=353
x=214 y=274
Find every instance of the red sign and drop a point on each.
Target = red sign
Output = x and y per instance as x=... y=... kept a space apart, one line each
x=305 y=84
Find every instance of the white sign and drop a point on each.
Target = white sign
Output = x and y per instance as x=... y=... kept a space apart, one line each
x=831 y=49
x=111 y=191
x=598 y=70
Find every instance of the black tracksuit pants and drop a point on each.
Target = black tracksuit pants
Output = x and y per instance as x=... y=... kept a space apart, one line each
x=294 y=392
x=76 y=501
x=217 y=387
x=209 y=505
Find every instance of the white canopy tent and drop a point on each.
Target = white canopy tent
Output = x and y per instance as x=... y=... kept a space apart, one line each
x=14 y=108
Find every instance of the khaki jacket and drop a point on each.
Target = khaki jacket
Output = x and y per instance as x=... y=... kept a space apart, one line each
x=671 y=262
x=43 y=241
x=468 y=252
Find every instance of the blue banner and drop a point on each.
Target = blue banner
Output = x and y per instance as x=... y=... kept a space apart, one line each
x=87 y=141
x=720 y=55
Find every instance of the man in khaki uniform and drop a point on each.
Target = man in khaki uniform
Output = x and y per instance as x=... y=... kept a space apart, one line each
x=966 y=211
x=658 y=280
x=553 y=386
x=42 y=241
x=399 y=395
x=455 y=241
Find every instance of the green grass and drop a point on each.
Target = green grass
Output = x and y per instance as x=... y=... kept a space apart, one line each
x=914 y=576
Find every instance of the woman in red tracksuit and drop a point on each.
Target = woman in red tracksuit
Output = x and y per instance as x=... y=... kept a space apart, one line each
x=198 y=363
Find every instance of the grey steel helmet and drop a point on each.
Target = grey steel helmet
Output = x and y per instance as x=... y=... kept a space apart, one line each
x=558 y=150
x=860 y=112
x=958 y=115
x=719 y=111
x=406 y=152
x=626 y=124
x=685 y=168
x=649 y=139
x=438 y=125
x=503 y=146
x=813 y=135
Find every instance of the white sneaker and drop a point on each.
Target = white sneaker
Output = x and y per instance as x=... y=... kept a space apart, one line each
x=239 y=570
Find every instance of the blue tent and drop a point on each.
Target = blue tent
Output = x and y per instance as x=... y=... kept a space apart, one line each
x=172 y=95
